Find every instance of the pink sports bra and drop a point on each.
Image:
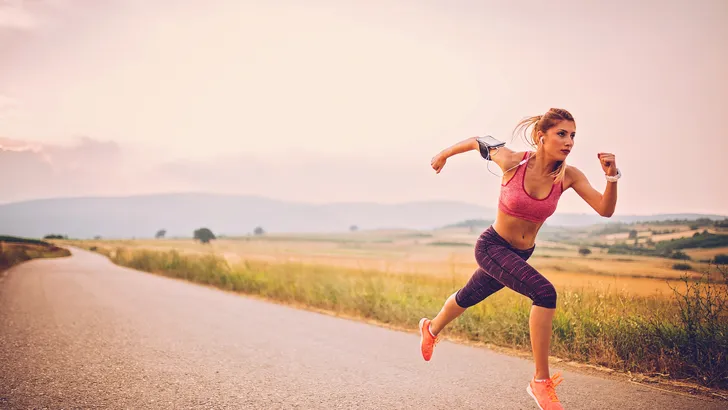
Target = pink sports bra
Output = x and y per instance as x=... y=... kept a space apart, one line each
x=515 y=201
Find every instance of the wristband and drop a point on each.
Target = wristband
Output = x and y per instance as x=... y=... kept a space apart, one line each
x=613 y=178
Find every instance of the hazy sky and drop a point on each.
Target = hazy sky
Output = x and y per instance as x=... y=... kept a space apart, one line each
x=344 y=100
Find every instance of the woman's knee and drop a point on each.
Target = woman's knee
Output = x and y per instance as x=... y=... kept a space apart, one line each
x=545 y=297
x=465 y=302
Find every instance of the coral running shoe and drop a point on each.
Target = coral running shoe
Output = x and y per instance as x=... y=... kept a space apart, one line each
x=545 y=393
x=427 y=339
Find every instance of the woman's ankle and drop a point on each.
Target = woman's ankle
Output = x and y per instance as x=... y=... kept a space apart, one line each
x=434 y=331
x=542 y=375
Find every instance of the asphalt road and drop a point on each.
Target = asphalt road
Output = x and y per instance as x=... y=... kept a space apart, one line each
x=81 y=332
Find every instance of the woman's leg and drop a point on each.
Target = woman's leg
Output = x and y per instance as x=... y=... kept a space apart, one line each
x=480 y=286
x=540 y=324
x=449 y=312
x=511 y=269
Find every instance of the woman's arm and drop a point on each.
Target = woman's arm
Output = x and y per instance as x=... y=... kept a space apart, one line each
x=604 y=203
x=460 y=147
x=501 y=156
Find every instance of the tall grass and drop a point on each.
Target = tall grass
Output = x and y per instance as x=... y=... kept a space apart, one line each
x=684 y=337
x=14 y=253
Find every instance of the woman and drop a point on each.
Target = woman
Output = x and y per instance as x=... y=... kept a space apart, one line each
x=531 y=186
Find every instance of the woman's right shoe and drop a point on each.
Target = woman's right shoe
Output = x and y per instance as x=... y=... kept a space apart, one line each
x=544 y=393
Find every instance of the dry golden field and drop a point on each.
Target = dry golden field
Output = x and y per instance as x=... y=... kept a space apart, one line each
x=443 y=253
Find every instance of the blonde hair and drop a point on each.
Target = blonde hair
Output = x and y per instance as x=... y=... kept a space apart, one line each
x=543 y=123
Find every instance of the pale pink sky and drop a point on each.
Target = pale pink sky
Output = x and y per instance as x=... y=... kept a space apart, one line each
x=277 y=97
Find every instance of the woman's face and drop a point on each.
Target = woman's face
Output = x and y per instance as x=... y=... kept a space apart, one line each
x=559 y=139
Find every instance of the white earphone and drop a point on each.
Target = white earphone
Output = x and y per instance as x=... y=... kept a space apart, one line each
x=516 y=166
x=487 y=165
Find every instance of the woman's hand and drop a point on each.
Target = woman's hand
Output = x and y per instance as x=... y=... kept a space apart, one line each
x=609 y=163
x=438 y=161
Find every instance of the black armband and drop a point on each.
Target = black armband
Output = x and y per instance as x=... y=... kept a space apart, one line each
x=486 y=143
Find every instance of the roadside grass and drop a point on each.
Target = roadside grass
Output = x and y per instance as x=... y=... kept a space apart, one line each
x=682 y=336
x=17 y=250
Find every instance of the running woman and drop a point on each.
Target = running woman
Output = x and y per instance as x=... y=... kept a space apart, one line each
x=531 y=185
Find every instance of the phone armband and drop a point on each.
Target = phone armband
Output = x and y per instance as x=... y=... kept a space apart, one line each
x=486 y=143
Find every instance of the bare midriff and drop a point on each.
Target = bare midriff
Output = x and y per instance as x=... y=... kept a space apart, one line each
x=518 y=232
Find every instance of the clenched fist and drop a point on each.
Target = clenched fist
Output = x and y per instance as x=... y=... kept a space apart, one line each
x=609 y=163
x=438 y=161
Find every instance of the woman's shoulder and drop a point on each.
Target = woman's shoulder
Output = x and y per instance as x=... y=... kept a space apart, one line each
x=507 y=159
x=573 y=171
x=571 y=175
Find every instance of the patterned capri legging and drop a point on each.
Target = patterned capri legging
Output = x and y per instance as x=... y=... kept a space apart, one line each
x=500 y=265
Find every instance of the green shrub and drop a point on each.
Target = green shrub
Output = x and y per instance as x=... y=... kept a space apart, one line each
x=721 y=259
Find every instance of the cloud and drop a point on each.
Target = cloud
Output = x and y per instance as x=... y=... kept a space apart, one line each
x=90 y=166
x=84 y=167
x=9 y=107
x=87 y=153
x=16 y=15
x=28 y=15
x=316 y=177
x=11 y=145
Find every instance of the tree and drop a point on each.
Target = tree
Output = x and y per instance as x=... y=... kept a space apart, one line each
x=160 y=233
x=721 y=224
x=258 y=231
x=584 y=251
x=721 y=259
x=632 y=234
x=204 y=235
x=680 y=255
x=353 y=228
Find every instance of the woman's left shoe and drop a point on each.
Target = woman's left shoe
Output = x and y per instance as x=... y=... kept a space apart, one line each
x=427 y=339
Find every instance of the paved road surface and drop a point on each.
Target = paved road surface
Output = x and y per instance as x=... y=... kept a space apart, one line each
x=81 y=332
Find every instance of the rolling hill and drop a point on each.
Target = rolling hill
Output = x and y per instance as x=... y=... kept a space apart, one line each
x=180 y=214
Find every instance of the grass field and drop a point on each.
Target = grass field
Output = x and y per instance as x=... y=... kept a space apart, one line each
x=442 y=254
x=17 y=250
x=704 y=254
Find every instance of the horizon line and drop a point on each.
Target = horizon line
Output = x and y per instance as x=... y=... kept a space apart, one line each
x=257 y=196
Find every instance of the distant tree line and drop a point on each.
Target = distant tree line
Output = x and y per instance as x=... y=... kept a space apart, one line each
x=15 y=239
x=612 y=228
x=662 y=232
x=205 y=235
x=698 y=240
x=471 y=223
x=698 y=223
x=673 y=248
x=721 y=224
